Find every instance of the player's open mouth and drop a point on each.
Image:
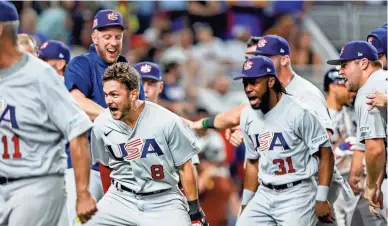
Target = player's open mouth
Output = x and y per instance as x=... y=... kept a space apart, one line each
x=253 y=100
x=113 y=110
x=111 y=51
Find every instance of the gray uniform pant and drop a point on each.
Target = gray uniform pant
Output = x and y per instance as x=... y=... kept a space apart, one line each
x=124 y=208
x=35 y=201
x=294 y=206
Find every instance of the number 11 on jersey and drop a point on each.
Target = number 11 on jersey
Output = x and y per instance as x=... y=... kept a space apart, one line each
x=16 y=154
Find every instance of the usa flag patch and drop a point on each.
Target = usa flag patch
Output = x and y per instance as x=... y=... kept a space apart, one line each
x=134 y=148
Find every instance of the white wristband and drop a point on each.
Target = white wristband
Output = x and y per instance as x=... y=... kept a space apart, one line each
x=322 y=193
x=247 y=196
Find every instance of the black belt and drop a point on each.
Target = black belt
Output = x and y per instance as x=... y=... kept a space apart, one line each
x=281 y=186
x=122 y=187
x=5 y=180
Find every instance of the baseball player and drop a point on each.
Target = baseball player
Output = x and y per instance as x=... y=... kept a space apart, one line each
x=37 y=118
x=83 y=78
x=284 y=140
x=55 y=53
x=361 y=66
x=358 y=171
x=278 y=50
x=27 y=43
x=145 y=145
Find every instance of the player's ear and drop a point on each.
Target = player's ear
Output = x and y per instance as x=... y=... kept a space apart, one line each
x=364 y=63
x=284 y=60
x=94 y=37
x=271 y=82
x=134 y=95
x=161 y=86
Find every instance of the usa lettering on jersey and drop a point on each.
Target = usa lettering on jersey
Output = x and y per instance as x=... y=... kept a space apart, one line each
x=134 y=149
x=269 y=141
x=8 y=114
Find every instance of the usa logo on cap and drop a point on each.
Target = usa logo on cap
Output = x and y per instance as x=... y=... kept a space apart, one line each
x=145 y=68
x=261 y=43
x=112 y=16
x=95 y=22
x=342 y=50
x=44 y=45
x=248 y=65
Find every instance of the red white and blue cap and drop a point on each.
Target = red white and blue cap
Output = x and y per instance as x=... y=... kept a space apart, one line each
x=53 y=49
x=108 y=18
x=148 y=70
x=8 y=12
x=256 y=67
x=356 y=50
x=378 y=38
x=272 y=45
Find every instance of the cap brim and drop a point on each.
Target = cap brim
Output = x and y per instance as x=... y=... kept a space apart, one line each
x=150 y=77
x=250 y=76
x=123 y=26
x=335 y=62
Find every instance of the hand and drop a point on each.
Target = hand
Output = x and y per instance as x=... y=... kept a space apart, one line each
x=85 y=207
x=377 y=100
x=323 y=211
x=375 y=198
x=354 y=183
x=234 y=136
x=199 y=219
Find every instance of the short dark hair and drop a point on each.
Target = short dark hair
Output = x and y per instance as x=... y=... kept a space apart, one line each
x=252 y=41
x=123 y=73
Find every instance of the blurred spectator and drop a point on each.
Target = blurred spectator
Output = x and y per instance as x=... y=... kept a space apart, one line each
x=182 y=50
x=235 y=48
x=210 y=12
x=27 y=43
x=217 y=97
x=214 y=181
x=284 y=27
x=55 y=23
x=248 y=14
x=28 y=21
x=302 y=53
x=209 y=51
x=160 y=22
x=173 y=96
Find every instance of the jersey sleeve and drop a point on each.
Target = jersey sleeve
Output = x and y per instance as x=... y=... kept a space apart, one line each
x=61 y=108
x=250 y=150
x=99 y=154
x=313 y=133
x=318 y=104
x=77 y=75
x=370 y=124
x=181 y=144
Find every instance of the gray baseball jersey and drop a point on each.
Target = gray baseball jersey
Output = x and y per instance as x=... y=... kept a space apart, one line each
x=342 y=124
x=144 y=158
x=284 y=140
x=311 y=96
x=372 y=124
x=37 y=117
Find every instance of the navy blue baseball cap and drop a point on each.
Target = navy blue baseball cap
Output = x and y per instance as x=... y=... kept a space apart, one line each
x=378 y=38
x=356 y=50
x=108 y=18
x=8 y=12
x=272 y=45
x=53 y=49
x=256 y=67
x=149 y=70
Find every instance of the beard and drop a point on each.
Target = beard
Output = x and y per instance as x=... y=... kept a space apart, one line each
x=264 y=102
x=104 y=54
